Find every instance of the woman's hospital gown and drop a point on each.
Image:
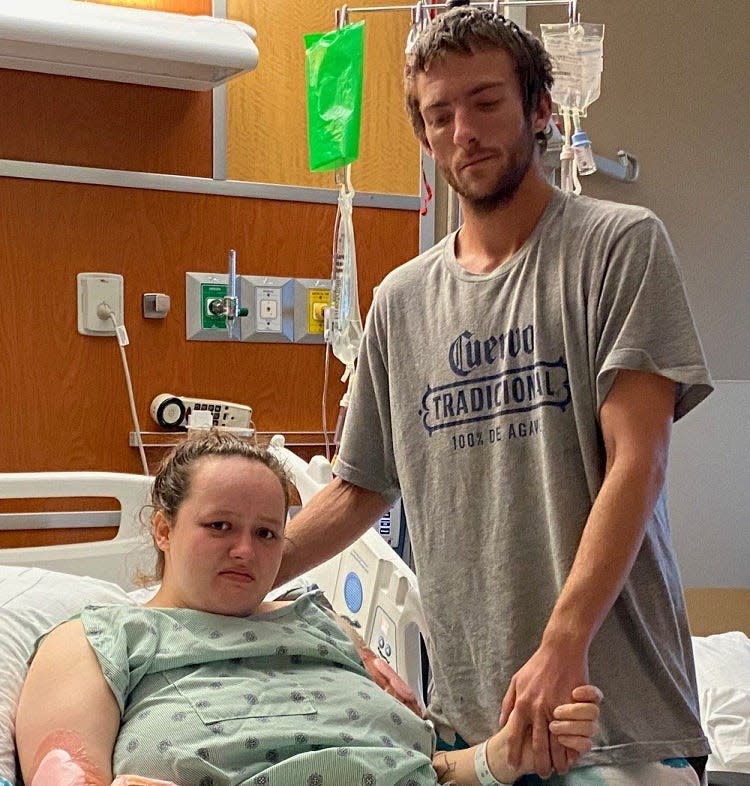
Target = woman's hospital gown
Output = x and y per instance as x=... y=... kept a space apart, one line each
x=277 y=699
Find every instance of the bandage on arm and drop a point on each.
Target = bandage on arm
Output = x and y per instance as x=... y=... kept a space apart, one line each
x=60 y=768
x=61 y=761
x=66 y=764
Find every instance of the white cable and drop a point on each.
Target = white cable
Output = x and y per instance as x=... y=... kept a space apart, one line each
x=122 y=340
x=324 y=402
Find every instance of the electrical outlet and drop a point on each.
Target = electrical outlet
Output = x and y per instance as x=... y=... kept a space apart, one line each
x=270 y=301
x=95 y=290
x=311 y=297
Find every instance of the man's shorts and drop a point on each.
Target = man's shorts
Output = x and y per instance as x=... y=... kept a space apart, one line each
x=670 y=772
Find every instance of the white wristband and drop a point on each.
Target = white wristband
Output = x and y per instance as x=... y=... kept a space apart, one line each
x=482 y=768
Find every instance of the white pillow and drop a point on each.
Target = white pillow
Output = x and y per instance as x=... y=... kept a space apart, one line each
x=722 y=667
x=32 y=602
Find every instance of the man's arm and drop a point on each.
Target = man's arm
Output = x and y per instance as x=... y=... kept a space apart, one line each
x=333 y=519
x=636 y=419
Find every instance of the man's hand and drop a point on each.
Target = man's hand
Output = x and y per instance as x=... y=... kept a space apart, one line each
x=544 y=682
x=574 y=724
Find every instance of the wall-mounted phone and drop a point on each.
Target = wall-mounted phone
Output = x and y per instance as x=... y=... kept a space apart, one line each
x=171 y=411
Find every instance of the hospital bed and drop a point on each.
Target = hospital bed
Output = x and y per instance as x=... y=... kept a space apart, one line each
x=44 y=585
x=368 y=583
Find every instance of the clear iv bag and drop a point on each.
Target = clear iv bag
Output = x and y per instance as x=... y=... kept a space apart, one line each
x=344 y=332
x=576 y=52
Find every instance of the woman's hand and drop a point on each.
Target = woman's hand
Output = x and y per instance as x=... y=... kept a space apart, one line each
x=575 y=724
x=384 y=674
x=387 y=678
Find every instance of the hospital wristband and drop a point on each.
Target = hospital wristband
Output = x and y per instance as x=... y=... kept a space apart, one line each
x=482 y=768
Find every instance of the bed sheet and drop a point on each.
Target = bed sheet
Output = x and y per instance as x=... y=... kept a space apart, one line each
x=722 y=664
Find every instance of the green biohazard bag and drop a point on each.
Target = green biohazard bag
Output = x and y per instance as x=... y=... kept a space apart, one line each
x=334 y=63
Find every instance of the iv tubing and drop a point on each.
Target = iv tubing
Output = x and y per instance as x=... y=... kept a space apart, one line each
x=324 y=402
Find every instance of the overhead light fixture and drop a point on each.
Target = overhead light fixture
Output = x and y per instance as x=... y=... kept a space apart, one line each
x=124 y=44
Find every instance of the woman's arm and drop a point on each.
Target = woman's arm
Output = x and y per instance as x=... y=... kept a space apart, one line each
x=573 y=726
x=66 y=704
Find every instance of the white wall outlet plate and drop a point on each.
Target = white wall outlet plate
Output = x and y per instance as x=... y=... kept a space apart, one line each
x=270 y=302
x=95 y=290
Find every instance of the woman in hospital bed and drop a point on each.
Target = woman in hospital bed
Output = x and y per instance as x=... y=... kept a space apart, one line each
x=211 y=685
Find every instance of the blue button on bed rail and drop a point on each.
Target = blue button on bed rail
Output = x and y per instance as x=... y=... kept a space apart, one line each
x=353 y=594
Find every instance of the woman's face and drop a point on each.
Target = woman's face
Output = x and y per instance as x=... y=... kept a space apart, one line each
x=222 y=552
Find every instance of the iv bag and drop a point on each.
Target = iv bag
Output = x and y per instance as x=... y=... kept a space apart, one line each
x=334 y=65
x=576 y=52
x=345 y=329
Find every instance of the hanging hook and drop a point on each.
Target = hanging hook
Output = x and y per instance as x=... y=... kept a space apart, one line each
x=574 y=14
x=342 y=16
x=417 y=12
x=343 y=178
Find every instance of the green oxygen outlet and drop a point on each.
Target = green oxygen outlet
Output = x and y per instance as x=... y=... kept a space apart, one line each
x=212 y=307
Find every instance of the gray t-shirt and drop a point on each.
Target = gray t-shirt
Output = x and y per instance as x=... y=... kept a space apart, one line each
x=477 y=399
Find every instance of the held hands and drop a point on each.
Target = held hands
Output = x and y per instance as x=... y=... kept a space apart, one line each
x=572 y=726
x=544 y=682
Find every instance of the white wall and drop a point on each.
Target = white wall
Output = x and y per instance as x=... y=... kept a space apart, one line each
x=676 y=94
x=709 y=489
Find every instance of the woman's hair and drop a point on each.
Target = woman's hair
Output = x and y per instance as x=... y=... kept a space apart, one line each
x=174 y=476
x=467 y=30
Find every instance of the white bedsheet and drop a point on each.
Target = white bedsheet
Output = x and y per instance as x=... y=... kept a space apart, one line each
x=722 y=664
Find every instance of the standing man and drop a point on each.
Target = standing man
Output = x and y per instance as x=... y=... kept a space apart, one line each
x=516 y=386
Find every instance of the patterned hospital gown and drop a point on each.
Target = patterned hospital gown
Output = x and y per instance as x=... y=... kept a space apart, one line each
x=277 y=699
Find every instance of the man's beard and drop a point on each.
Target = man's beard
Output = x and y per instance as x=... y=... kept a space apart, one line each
x=507 y=183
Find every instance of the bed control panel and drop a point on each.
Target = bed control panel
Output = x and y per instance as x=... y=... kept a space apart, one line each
x=383 y=637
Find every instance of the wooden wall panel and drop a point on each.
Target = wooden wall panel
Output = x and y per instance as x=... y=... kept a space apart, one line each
x=267 y=109
x=68 y=408
x=84 y=122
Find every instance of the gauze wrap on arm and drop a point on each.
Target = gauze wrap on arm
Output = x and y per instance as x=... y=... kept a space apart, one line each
x=59 y=768
x=62 y=761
